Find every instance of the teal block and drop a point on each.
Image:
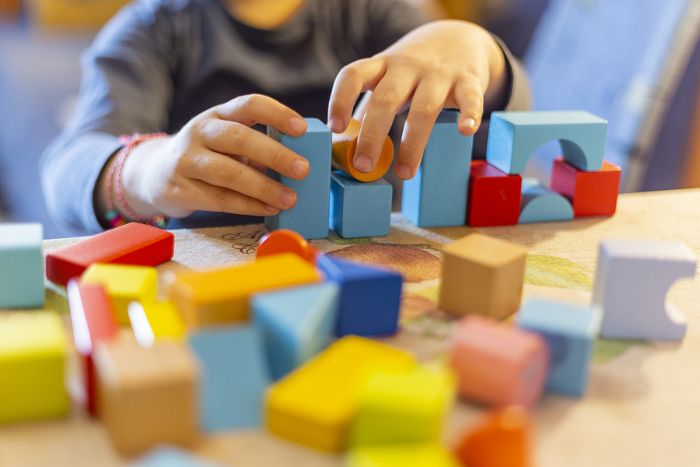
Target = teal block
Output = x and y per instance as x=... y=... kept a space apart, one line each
x=515 y=136
x=359 y=209
x=437 y=195
x=234 y=376
x=570 y=331
x=540 y=204
x=309 y=217
x=296 y=324
x=171 y=457
x=21 y=266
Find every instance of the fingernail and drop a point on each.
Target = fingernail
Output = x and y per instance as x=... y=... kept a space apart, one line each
x=271 y=209
x=288 y=197
x=297 y=125
x=403 y=171
x=335 y=124
x=470 y=123
x=300 y=168
x=362 y=163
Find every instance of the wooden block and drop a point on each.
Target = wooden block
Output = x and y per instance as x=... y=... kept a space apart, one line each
x=171 y=457
x=514 y=137
x=413 y=455
x=124 y=284
x=296 y=324
x=234 y=376
x=591 y=193
x=632 y=280
x=482 y=275
x=359 y=209
x=93 y=320
x=220 y=296
x=494 y=196
x=503 y=438
x=344 y=152
x=407 y=408
x=437 y=195
x=315 y=404
x=33 y=349
x=148 y=396
x=498 y=364
x=308 y=216
x=21 y=266
x=540 y=204
x=155 y=321
x=370 y=297
x=134 y=243
x=569 y=331
x=286 y=241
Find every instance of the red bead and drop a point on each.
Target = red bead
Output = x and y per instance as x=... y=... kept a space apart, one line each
x=591 y=193
x=494 y=196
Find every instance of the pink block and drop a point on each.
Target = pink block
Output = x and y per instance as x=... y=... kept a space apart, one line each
x=498 y=364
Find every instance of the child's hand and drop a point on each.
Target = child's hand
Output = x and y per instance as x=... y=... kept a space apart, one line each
x=450 y=64
x=216 y=163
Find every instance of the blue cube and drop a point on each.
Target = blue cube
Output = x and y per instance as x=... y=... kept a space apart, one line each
x=570 y=331
x=21 y=266
x=359 y=209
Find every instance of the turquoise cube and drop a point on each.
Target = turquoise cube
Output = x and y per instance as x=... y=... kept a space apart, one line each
x=21 y=266
x=359 y=209
x=570 y=331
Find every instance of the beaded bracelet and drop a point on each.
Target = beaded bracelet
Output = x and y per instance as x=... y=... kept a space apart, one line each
x=118 y=210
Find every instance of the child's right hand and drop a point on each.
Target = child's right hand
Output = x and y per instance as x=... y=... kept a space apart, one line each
x=216 y=163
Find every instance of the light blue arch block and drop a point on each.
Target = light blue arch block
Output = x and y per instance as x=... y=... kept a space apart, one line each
x=515 y=136
x=359 y=209
x=21 y=266
x=296 y=324
x=437 y=195
x=309 y=217
x=540 y=204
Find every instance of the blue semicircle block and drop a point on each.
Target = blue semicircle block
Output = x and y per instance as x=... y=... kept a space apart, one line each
x=540 y=204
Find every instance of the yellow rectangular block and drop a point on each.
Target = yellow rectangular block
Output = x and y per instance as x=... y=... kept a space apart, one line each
x=315 y=404
x=155 y=321
x=33 y=347
x=402 y=455
x=124 y=284
x=221 y=295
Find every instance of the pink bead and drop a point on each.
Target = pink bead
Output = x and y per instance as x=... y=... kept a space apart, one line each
x=498 y=364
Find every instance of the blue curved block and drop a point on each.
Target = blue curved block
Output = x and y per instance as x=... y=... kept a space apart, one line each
x=540 y=204
x=514 y=137
x=296 y=324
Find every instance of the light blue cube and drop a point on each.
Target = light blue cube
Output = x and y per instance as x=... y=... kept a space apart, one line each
x=309 y=217
x=540 y=204
x=170 y=456
x=515 y=136
x=359 y=209
x=296 y=323
x=234 y=376
x=437 y=195
x=21 y=266
x=570 y=331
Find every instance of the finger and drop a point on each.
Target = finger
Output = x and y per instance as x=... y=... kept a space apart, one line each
x=225 y=172
x=392 y=92
x=236 y=139
x=469 y=97
x=258 y=109
x=352 y=80
x=426 y=105
x=205 y=197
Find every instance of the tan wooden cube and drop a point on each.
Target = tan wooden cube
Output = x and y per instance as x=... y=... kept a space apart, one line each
x=482 y=275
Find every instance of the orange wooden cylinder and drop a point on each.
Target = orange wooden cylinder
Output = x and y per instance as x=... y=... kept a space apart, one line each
x=344 y=150
x=286 y=241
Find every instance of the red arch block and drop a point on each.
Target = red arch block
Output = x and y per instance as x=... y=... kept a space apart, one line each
x=591 y=193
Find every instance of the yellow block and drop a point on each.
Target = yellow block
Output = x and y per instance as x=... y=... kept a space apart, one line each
x=33 y=347
x=71 y=14
x=416 y=455
x=156 y=321
x=221 y=295
x=124 y=284
x=315 y=404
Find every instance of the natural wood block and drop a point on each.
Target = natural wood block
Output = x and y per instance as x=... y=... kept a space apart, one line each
x=148 y=396
x=482 y=275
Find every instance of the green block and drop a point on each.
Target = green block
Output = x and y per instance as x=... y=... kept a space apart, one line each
x=21 y=266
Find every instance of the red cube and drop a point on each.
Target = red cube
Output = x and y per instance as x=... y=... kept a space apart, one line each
x=494 y=196
x=591 y=193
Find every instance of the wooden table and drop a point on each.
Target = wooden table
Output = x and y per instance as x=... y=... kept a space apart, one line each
x=642 y=402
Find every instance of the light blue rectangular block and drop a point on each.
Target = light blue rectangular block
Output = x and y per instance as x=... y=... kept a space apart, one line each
x=234 y=376
x=570 y=331
x=437 y=195
x=21 y=266
x=171 y=456
x=296 y=324
x=310 y=215
x=359 y=209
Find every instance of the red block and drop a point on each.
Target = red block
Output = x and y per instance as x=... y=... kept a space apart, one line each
x=494 y=196
x=93 y=320
x=590 y=193
x=134 y=243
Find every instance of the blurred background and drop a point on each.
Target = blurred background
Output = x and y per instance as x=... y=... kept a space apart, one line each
x=634 y=62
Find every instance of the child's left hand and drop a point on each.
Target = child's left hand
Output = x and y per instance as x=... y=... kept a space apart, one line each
x=451 y=64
